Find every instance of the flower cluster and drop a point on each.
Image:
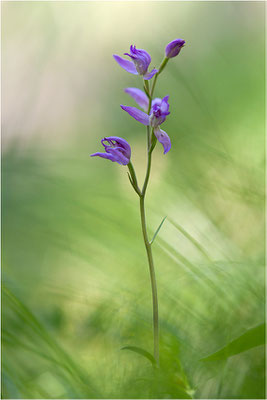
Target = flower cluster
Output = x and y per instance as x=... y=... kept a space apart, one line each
x=155 y=111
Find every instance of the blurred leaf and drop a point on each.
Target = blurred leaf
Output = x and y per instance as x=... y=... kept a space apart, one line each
x=58 y=355
x=141 y=351
x=251 y=338
x=157 y=231
x=192 y=240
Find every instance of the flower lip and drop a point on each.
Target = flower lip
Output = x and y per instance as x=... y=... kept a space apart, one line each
x=174 y=47
x=163 y=138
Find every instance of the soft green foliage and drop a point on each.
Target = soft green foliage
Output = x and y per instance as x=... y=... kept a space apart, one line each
x=142 y=352
x=76 y=282
x=253 y=337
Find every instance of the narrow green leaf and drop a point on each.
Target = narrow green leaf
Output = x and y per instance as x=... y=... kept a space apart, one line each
x=251 y=338
x=130 y=179
x=146 y=90
x=142 y=352
x=133 y=185
x=157 y=231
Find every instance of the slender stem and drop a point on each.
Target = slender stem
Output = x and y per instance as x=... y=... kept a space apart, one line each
x=153 y=87
x=150 y=256
x=149 y=159
x=161 y=67
x=148 y=136
x=150 y=147
x=152 y=278
x=163 y=64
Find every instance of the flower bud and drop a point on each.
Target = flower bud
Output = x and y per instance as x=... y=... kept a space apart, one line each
x=173 y=48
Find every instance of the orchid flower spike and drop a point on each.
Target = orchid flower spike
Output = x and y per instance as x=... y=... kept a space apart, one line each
x=117 y=150
x=173 y=48
x=159 y=112
x=139 y=64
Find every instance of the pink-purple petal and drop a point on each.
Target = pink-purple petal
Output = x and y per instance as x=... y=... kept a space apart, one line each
x=163 y=138
x=150 y=74
x=156 y=101
x=165 y=105
x=118 y=155
x=126 y=64
x=103 y=155
x=139 y=96
x=139 y=115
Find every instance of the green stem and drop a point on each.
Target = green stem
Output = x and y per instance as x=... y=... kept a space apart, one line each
x=161 y=67
x=149 y=159
x=150 y=257
x=163 y=64
x=152 y=89
x=148 y=136
x=150 y=147
x=152 y=278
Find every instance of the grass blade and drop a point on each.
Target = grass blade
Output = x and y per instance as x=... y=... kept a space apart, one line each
x=157 y=231
x=251 y=338
x=142 y=352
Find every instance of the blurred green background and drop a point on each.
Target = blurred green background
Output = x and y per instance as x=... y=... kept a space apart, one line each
x=75 y=276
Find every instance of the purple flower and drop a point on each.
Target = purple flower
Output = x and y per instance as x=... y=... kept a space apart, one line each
x=158 y=114
x=139 y=64
x=159 y=111
x=117 y=150
x=173 y=48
